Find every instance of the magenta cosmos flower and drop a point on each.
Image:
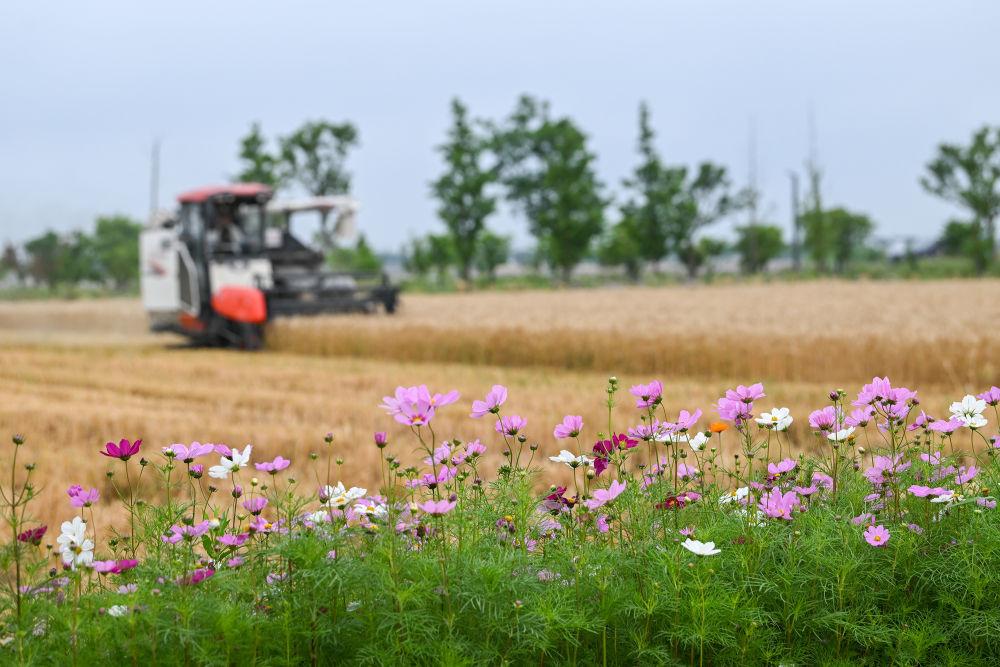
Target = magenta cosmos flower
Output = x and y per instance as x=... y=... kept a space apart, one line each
x=437 y=507
x=511 y=425
x=279 y=463
x=255 y=505
x=33 y=535
x=744 y=394
x=569 y=428
x=780 y=468
x=877 y=536
x=647 y=395
x=124 y=450
x=381 y=438
x=604 y=496
x=494 y=399
x=114 y=566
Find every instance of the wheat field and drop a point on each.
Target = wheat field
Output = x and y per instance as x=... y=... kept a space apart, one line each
x=78 y=374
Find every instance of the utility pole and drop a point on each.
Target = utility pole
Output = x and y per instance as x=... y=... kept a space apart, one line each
x=796 y=224
x=154 y=178
x=754 y=195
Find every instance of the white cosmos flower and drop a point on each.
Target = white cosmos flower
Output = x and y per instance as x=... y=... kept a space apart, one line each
x=117 y=610
x=778 y=419
x=340 y=497
x=570 y=459
x=969 y=411
x=75 y=547
x=231 y=464
x=944 y=497
x=697 y=441
x=372 y=509
x=700 y=548
x=841 y=435
x=735 y=495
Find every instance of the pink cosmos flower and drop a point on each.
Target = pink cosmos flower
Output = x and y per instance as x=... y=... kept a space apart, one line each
x=922 y=421
x=475 y=448
x=78 y=497
x=124 y=450
x=255 y=505
x=823 y=480
x=965 y=474
x=441 y=454
x=279 y=463
x=188 y=453
x=569 y=428
x=734 y=411
x=988 y=503
x=780 y=468
x=381 y=438
x=823 y=419
x=684 y=471
x=778 y=505
x=806 y=490
x=197 y=576
x=748 y=395
x=991 y=396
x=494 y=399
x=114 y=566
x=656 y=430
x=877 y=536
x=860 y=417
x=924 y=491
x=685 y=421
x=863 y=518
x=437 y=507
x=934 y=459
x=510 y=425
x=605 y=496
x=415 y=414
x=411 y=396
x=687 y=531
x=177 y=533
x=234 y=540
x=942 y=426
x=234 y=562
x=647 y=395
x=602 y=523
x=876 y=392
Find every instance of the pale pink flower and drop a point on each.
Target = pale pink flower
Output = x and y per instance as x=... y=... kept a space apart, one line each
x=437 y=507
x=647 y=395
x=602 y=497
x=877 y=536
x=569 y=428
x=494 y=399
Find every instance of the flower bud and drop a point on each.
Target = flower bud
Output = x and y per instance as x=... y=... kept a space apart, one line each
x=18 y=439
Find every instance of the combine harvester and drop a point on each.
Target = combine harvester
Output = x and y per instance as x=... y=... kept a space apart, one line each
x=227 y=262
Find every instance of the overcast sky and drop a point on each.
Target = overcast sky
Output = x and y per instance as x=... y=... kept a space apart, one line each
x=85 y=89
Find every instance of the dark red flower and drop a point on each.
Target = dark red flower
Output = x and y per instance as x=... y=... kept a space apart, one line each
x=670 y=503
x=124 y=450
x=33 y=535
x=555 y=501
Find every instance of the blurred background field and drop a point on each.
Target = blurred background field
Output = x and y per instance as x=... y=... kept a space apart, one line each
x=79 y=373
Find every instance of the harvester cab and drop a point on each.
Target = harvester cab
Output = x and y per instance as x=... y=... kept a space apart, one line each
x=227 y=262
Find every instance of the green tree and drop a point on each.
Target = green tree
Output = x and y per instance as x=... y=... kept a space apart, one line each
x=258 y=165
x=549 y=175
x=757 y=245
x=704 y=200
x=315 y=155
x=78 y=261
x=622 y=246
x=969 y=176
x=655 y=190
x=442 y=255
x=462 y=189
x=359 y=258
x=961 y=238
x=818 y=239
x=417 y=257
x=116 y=249
x=10 y=262
x=492 y=250
x=850 y=232
x=45 y=258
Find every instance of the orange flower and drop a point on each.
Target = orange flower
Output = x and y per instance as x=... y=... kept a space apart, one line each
x=718 y=427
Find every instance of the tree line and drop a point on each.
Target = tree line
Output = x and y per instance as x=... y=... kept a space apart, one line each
x=542 y=167
x=108 y=257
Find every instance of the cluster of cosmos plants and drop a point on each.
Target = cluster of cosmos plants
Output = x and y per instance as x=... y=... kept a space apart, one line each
x=678 y=487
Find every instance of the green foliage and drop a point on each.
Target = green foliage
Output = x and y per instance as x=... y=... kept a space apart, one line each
x=492 y=250
x=622 y=246
x=360 y=258
x=315 y=154
x=758 y=245
x=704 y=200
x=462 y=190
x=657 y=191
x=969 y=176
x=550 y=176
x=258 y=165
x=833 y=237
x=116 y=249
x=109 y=255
